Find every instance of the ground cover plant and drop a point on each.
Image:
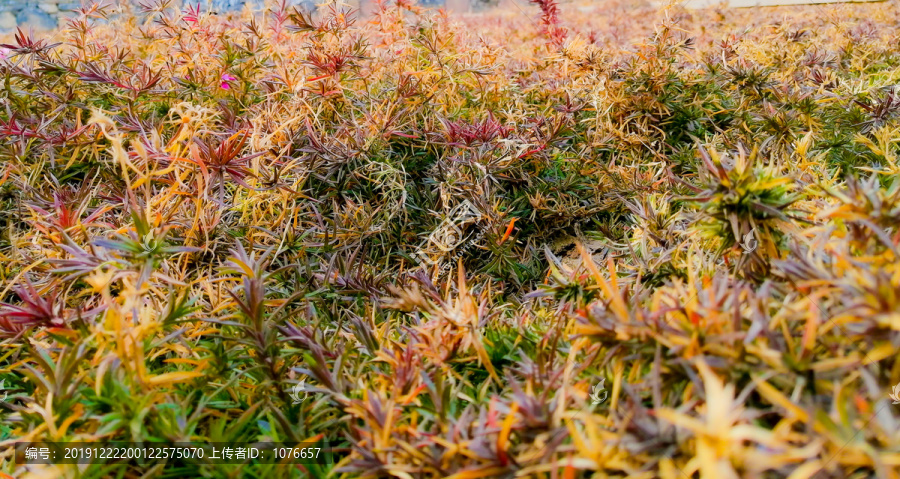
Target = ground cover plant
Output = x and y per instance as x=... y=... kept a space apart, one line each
x=555 y=240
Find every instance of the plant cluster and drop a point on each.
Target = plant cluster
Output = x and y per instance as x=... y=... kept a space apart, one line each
x=200 y=211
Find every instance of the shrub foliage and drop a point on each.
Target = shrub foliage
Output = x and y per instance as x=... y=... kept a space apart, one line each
x=697 y=210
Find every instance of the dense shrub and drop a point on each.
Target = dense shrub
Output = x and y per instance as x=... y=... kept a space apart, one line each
x=451 y=230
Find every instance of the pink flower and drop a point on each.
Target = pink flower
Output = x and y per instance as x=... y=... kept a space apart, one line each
x=225 y=79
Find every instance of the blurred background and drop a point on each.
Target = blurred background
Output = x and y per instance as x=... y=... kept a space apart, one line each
x=42 y=15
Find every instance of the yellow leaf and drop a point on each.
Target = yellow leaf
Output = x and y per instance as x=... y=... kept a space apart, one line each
x=611 y=288
x=775 y=397
x=171 y=378
x=680 y=420
x=73 y=416
x=192 y=362
x=880 y=352
x=203 y=331
x=835 y=363
x=806 y=470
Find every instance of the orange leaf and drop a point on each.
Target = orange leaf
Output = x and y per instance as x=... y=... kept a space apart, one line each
x=492 y=471
x=509 y=230
x=569 y=471
x=503 y=437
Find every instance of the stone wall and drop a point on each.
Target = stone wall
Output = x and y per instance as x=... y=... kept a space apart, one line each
x=48 y=14
x=41 y=15
x=36 y=14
